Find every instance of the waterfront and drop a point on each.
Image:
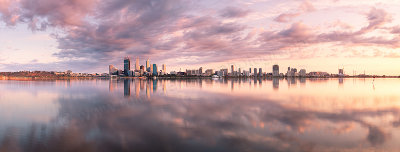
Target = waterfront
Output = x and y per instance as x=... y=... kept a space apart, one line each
x=351 y=114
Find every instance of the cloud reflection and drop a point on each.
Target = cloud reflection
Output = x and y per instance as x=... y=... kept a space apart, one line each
x=212 y=121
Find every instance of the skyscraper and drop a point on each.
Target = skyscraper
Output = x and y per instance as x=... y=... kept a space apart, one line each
x=127 y=65
x=232 y=69
x=275 y=70
x=239 y=71
x=155 y=70
x=249 y=70
x=148 y=65
x=137 y=66
x=260 y=72
x=112 y=70
x=201 y=70
x=164 y=69
x=255 y=72
x=341 y=71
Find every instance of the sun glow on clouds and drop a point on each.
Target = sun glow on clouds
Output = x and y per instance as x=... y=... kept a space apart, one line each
x=211 y=34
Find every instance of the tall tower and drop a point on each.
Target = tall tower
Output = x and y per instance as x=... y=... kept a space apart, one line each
x=155 y=72
x=164 y=68
x=260 y=72
x=232 y=69
x=148 y=64
x=137 y=66
x=127 y=65
x=255 y=72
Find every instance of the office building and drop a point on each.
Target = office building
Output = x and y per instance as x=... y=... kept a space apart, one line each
x=232 y=68
x=148 y=65
x=127 y=66
x=275 y=70
x=341 y=73
x=209 y=72
x=150 y=70
x=164 y=69
x=137 y=66
x=260 y=72
x=112 y=70
x=250 y=70
x=155 y=72
x=239 y=72
x=255 y=72
x=201 y=70
x=302 y=73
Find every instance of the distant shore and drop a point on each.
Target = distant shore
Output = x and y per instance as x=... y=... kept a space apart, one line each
x=26 y=78
x=43 y=75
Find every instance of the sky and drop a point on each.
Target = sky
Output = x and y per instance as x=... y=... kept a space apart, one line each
x=89 y=35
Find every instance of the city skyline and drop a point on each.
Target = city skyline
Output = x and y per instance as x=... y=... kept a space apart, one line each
x=232 y=71
x=87 y=36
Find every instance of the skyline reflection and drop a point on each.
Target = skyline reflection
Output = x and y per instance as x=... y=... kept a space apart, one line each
x=200 y=115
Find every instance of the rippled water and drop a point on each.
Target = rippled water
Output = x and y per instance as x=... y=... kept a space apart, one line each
x=200 y=115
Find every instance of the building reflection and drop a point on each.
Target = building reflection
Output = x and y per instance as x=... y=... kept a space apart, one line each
x=340 y=81
x=275 y=83
x=155 y=85
x=127 y=87
x=137 y=88
x=150 y=86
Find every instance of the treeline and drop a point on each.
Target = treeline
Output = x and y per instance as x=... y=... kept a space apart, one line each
x=28 y=74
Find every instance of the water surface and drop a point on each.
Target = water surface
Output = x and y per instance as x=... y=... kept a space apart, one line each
x=200 y=115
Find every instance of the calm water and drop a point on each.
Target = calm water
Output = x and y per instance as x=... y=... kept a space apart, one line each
x=200 y=115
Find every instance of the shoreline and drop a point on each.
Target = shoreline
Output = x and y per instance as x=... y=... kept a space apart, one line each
x=179 y=77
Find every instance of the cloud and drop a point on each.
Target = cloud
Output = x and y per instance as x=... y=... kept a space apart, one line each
x=104 y=31
x=304 y=7
x=396 y=30
x=7 y=12
x=286 y=17
x=233 y=12
x=376 y=18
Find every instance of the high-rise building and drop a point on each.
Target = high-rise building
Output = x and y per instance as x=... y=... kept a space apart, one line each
x=341 y=71
x=150 y=69
x=201 y=70
x=112 y=70
x=240 y=71
x=142 y=68
x=155 y=72
x=164 y=69
x=224 y=72
x=232 y=68
x=255 y=72
x=209 y=72
x=275 y=70
x=302 y=72
x=148 y=65
x=137 y=66
x=260 y=71
x=249 y=70
x=127 y=65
